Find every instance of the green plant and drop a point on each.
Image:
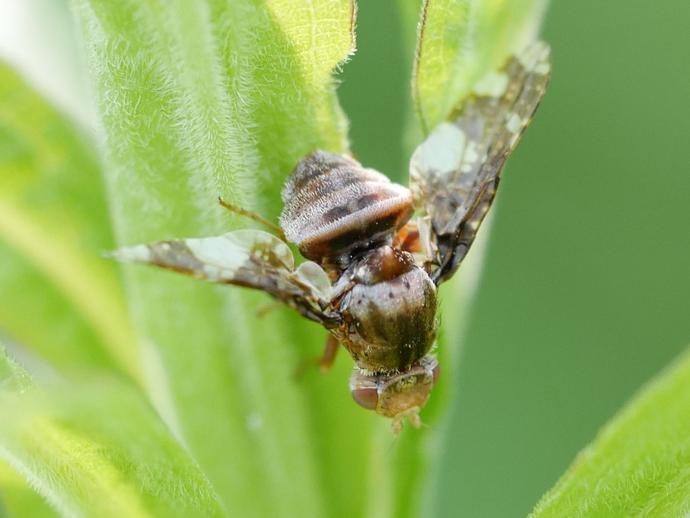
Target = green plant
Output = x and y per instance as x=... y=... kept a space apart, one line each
x=638 y=465
x=175 y=398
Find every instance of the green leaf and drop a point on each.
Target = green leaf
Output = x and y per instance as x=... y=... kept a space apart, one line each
x=18 y=499
x=638 y=465
x=199 y=98
x=97 y=449
x=459 y=41
x=53 y=227
x=13 y=379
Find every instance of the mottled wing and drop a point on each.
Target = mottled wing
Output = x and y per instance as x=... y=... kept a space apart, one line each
x=454 y=172
x=249 y=258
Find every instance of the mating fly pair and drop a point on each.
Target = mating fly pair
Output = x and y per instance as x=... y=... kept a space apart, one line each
x=372 y=270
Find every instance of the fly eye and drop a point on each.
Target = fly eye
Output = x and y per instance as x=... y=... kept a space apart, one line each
x=367 y=397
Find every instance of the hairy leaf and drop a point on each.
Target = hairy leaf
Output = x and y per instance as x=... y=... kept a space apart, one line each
x=200 y=98
x=638 y=465
x=53 y=227
x=97 y=449
x=18 y=499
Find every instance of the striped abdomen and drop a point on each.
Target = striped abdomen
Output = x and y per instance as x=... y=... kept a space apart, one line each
x=333 y=207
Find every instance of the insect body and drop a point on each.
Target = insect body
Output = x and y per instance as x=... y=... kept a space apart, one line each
x=372 y=272
x=335 y=209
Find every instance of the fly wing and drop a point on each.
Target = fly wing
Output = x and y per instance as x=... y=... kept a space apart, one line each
x=454 y=172
x=249 y=258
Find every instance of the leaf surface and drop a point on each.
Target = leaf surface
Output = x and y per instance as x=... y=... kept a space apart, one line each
x=639 y=463
x=97 y=449
x=53 y=227
x=18 y=499
x=200 y=98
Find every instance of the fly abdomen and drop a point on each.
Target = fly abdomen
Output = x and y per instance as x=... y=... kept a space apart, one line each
x=334 y=206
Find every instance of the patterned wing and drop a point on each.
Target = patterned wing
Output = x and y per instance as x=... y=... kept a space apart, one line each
x=249 y=258
x=454 y=173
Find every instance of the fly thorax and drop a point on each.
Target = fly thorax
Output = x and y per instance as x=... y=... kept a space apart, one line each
x=391 y=311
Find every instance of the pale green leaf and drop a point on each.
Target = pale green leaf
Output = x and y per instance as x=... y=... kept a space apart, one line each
x=200 y=98
x=459 y=41
x=97 y=449
x=53 y=227
x=18 y=499
x=13 y=378
x=639 y=465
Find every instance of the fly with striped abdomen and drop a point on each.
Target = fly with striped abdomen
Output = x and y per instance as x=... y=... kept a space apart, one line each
x=373 y=268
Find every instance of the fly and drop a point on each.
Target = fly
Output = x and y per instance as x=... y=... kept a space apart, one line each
x=372 y=268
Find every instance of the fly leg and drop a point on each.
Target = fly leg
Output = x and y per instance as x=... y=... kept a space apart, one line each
x=252 y=215
x=267 y=308
x=329 y=353
x=323 y=362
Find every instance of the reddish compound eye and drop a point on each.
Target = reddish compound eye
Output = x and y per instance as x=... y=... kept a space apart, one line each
x=367 y=397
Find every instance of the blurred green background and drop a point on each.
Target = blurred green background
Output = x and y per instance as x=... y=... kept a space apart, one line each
x=585 y=289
